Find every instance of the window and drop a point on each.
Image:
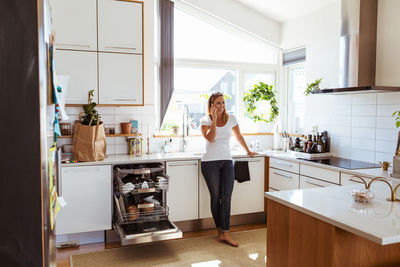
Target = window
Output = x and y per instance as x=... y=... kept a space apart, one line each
x=296 y=99
x=212 y=58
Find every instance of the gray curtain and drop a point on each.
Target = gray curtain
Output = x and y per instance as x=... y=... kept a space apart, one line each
x=294 y=56
x=166 y=71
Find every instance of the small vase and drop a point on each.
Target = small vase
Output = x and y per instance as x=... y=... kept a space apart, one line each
x=396 y=167
x=126 y=127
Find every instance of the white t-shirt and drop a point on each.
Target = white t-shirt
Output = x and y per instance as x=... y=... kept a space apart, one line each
x=219 y=149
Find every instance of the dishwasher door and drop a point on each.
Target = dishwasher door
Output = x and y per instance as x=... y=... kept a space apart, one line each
x=140 y=208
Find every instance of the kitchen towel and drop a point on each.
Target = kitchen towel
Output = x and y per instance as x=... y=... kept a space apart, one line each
x=242 y=173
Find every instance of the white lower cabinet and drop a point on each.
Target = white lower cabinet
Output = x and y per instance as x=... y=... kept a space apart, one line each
x=347 y=179
x=182 y=195
x=247 y=197
x=308 y=182
x=87 y=191
x=283 y=180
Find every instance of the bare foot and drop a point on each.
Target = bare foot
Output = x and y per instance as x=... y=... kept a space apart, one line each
x=225 y=237
x=219 y=235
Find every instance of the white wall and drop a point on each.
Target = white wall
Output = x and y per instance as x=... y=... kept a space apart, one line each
x=241 y=16
x=319 y=32
x=388 y=43
x=361 y=125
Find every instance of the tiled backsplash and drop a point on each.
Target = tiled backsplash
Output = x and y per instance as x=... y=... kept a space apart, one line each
x=361 y=125
x=113 y=116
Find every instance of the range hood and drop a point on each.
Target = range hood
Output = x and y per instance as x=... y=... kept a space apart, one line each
x=358 y=49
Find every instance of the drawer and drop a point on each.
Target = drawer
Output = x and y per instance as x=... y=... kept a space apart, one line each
x=282 y=180
x=347 y=178
x=320 y=173
x=307 y=182
x=284 y=165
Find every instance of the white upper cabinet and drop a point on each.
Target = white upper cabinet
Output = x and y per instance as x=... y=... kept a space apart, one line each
x=81 y=69
x=120 y=79
x=75 y=24
x=120 y=26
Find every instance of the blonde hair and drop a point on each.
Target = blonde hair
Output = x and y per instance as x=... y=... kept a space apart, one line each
x=211 y=100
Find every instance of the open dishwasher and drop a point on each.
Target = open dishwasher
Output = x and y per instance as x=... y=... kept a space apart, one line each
x=140 y=204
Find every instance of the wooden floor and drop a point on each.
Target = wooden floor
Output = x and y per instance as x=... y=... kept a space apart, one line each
x=63 y=254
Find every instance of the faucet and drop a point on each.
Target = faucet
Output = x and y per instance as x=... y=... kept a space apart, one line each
x=185 y=114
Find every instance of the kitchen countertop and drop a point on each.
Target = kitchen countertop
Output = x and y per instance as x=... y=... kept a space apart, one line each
x=289 y=156
x=378 y=221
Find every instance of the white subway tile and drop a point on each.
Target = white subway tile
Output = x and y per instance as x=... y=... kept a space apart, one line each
x=387 y=134
x=340 y=121
x=130 y=111
x=363 y=110
x=340 y=131
x=108 y=119
x=385 y=146
x=384 y=157
x=366 y=133
x=106 y=110
x=110 y=149
x=385 y=123
x=389 y=98
x=73 y=110
x=387 y=110
x=340 y=141
x=363 y=99
x=359 y=121
x=363 y=155
x=364 y=144
x=343 y=152
x=341 y=99
x=148 y=110
x=121 y=149
x=120 y=140
x=341 y=110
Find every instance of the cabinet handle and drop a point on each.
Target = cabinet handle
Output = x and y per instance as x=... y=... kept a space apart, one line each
x=121 y=99
x=314 y=184
x=181 y=164
x=73 y=169
x=121 y=47
x=283 y=164
x=77 y=45
x=359 y=182
x=289 y=177
x=253 y=160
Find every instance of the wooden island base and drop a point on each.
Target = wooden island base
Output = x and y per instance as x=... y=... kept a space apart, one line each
x=297 y=239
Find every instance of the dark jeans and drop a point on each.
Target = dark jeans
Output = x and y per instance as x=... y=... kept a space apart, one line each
x=219 y=176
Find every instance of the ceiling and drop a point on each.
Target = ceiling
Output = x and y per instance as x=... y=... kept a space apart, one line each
x=284 y=10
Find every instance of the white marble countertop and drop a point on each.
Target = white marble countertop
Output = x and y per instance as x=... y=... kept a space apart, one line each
x=378 y=220
x=126 y=159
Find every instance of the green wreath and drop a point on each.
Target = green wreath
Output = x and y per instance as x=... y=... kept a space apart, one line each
x=261 y=92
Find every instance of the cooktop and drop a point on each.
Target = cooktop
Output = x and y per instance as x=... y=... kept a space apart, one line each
x=349 y=164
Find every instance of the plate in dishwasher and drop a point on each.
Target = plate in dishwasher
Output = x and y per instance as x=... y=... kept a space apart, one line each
x=136 y=233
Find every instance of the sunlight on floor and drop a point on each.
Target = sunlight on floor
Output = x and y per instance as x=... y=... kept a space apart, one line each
x=253 y=256
x=214 y=263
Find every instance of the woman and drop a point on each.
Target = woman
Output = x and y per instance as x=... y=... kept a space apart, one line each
x=216 y=162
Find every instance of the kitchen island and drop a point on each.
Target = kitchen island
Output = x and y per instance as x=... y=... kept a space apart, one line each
x=326 y=227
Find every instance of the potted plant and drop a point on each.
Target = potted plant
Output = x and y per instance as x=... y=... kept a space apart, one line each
x=91 y=115
x=261 y=92
x=314 y=87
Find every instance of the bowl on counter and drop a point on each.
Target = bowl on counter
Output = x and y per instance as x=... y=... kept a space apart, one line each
x=362 y=195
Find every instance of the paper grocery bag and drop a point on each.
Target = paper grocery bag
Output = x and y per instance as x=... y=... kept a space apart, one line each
x=89 y=142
